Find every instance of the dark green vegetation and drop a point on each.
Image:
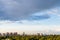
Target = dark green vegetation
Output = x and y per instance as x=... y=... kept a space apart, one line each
x=30 y=37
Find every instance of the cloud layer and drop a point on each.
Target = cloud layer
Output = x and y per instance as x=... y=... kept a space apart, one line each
x=23 y=9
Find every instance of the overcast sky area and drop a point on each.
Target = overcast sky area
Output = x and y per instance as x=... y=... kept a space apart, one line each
x=30 y=15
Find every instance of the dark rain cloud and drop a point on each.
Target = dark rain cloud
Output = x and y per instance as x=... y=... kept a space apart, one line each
x=21 y=9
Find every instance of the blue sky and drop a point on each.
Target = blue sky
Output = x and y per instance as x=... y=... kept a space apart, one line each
x=29 y=15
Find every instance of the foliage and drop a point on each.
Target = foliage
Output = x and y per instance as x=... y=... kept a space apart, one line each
x=31 y=37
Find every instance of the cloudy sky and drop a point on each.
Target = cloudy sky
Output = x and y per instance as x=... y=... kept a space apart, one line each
x=29 y=15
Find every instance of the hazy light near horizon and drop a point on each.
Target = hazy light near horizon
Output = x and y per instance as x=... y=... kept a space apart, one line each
x=21 y=27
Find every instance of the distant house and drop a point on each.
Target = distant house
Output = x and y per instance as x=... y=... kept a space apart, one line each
x=7 y=39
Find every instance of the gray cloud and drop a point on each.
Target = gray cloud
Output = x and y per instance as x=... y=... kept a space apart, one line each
x=21 y=9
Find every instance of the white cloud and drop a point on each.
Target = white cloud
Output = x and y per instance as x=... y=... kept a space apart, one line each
x=55 y=10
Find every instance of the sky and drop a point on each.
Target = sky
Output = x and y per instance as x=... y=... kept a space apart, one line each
x=30 y=16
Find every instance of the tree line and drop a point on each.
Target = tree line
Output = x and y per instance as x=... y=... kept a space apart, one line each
x=30 y=37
